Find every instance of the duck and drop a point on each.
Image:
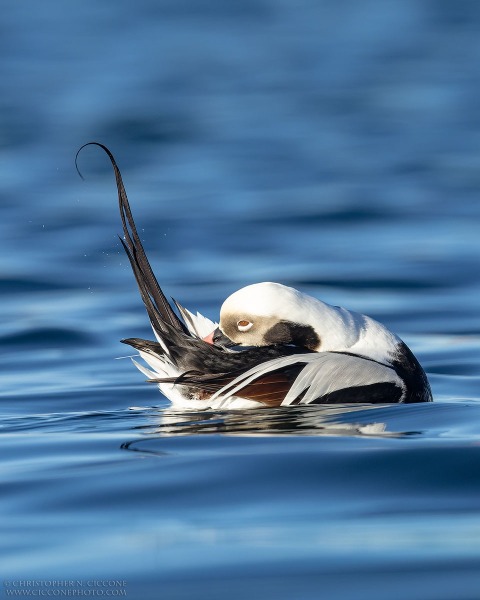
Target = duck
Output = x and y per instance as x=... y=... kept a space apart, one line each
x=273 y=346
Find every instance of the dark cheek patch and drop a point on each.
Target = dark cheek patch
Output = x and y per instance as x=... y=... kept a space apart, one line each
x=287 y=332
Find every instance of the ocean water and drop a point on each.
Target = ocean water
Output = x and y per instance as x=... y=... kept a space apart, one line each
x=332 y=146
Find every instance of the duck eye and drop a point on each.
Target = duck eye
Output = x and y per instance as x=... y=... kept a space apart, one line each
x=244 y=325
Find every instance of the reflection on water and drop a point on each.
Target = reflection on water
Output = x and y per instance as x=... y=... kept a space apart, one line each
x=308 y=420
x=440 y=420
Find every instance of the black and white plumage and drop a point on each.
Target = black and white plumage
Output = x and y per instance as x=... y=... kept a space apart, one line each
x=289 y=348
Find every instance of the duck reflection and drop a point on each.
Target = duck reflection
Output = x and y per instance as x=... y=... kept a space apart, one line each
x=338 y=420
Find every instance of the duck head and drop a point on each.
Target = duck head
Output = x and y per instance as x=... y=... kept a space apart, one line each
x=269 y=313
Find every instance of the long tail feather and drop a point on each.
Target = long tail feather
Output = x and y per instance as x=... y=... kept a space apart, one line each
x=158 y=307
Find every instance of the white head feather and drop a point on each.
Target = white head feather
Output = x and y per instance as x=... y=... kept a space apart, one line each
x=338 y=329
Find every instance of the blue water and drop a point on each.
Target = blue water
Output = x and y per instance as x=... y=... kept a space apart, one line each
x=332 y=146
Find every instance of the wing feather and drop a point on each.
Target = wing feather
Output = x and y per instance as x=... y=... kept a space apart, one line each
x=334 y=371
x=322 y=373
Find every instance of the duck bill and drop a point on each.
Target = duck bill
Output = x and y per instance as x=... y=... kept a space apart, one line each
x=209 y=338
x=218 y=338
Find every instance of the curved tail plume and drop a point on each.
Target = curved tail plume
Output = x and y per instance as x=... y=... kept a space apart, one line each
x=158 y=308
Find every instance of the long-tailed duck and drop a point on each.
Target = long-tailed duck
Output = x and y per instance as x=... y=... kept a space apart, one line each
x=273 y=346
